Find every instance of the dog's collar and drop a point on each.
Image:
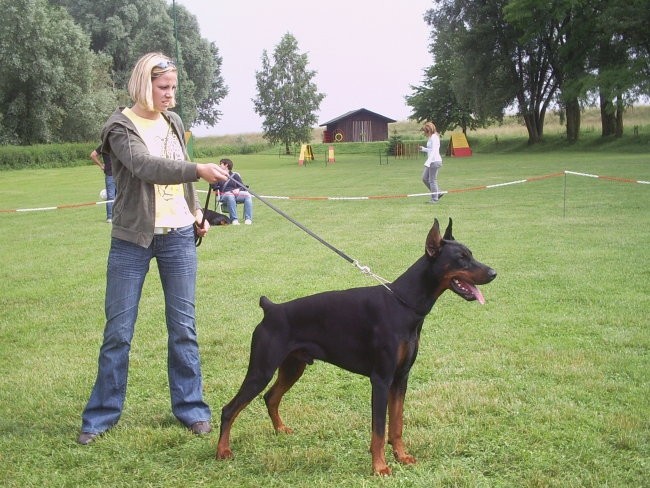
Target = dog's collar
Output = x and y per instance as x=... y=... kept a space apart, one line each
x=403 y=301
x=383 y=282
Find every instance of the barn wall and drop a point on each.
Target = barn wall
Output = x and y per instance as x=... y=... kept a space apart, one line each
x=361 y=127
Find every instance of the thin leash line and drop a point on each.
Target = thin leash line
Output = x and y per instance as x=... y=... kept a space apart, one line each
x=384 y=283
x=198 y=239
x=364 y=269
x=297 y=224
x=367 y=271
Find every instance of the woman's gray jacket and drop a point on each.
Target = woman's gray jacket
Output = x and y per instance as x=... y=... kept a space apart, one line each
x=135 y=171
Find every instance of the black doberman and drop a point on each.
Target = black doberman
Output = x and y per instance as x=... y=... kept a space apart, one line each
x=373 y=331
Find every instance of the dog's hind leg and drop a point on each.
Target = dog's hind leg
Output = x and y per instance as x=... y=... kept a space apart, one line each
x=396 y=396
x=249 y=389
x=264 y=360
x=289 y=372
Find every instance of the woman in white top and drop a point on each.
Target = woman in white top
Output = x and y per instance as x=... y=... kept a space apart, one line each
x=433 y=161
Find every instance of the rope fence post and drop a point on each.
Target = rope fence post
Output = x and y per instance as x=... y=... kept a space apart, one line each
x=564 y=210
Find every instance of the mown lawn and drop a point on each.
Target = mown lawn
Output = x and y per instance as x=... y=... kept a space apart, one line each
x=545 y=385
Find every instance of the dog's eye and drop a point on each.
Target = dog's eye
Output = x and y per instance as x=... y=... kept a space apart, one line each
x=465 y=257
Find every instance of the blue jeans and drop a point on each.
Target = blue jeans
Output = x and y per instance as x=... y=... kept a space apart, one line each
x=231 y=204
x=128 y=265
x=110 y=195
x=430 y=179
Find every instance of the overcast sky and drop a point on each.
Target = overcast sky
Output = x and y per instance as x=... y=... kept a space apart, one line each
x=367 y=53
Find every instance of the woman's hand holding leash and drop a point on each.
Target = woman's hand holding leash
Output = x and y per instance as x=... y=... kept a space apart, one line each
x=202 y=225
x=211 y=172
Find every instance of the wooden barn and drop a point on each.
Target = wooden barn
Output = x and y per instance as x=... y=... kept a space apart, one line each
x=357 y=126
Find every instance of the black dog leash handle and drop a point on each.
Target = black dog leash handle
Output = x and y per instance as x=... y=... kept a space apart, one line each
x=197 y=238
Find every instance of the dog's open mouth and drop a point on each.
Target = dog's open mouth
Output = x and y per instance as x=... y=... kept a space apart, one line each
x=467 y=290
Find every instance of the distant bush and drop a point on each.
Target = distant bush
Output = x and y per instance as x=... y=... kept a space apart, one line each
x=493 y=140
x=45 y=156
x=203 y=150
x=394 y=143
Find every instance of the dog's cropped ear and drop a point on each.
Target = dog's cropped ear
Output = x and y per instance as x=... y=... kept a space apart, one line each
x=448 y=236
x=434 y=240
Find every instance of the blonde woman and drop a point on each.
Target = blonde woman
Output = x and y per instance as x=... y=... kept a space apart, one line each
x=154 y=214
x=433 y=161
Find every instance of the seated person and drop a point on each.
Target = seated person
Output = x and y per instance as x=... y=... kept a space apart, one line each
x=232 y=193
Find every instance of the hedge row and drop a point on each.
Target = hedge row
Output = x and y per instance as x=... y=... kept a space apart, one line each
x=201 y=150
x=45 y=155
x=78 y=154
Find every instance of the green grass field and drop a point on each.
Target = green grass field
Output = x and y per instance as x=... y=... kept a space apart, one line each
x=545 y=386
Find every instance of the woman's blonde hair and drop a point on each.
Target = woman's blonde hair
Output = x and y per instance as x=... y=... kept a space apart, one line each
x=148 y=67
x=429 y=127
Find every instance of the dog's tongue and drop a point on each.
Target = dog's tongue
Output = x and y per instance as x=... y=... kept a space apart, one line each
x=477 y=293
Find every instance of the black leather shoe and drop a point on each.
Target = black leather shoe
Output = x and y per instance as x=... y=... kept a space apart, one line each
x=86 y=438
x=200 y=428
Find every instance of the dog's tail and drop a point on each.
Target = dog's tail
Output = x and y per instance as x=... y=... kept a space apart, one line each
x=265 y=303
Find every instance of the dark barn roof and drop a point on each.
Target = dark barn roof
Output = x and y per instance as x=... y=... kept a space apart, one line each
x=357 y=125
x=361 y=111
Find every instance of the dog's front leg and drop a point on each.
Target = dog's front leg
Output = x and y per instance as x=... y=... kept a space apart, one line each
x=378 y=439
x=396 y=396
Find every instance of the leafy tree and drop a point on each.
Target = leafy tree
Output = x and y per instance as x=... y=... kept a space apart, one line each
x=202 y=86
x=498 y=66
x=52 y=88
x=621 y=62
x=207 y=111
x=564 y=31
x=114 y=25
x=287 y=99
x=491 y=68
x=470 y=103
x=436 y=100
x=533 y=54
x=126 y=29
x=595 y=46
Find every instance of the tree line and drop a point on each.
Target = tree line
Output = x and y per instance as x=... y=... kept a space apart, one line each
x=493 y=55
x=65 y=65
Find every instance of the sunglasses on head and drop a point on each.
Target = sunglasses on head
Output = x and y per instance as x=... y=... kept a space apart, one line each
x=166 y=63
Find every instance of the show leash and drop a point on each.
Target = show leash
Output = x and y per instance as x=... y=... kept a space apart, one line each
x=197 y=238
x=367 y=271
x=364 y=269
